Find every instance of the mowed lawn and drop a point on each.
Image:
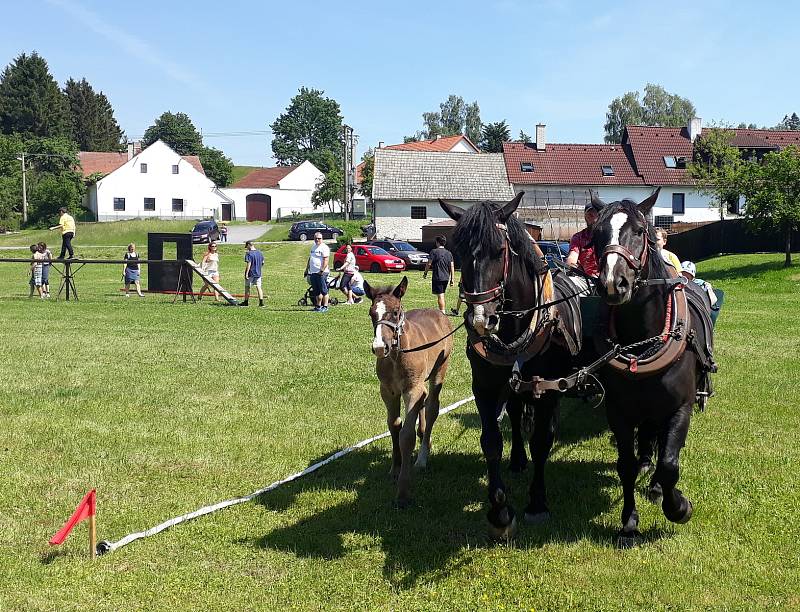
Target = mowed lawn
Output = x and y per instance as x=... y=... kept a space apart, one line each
x=168 y=407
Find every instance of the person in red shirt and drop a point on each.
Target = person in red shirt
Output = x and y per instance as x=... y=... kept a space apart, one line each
x=581 y=252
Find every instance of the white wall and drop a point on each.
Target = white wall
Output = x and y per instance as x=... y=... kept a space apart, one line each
x=393 y=217
x=462 y=147
x=305 y=177
x=197 y=191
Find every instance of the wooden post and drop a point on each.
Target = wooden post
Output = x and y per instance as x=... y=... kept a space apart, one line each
x=92 y=537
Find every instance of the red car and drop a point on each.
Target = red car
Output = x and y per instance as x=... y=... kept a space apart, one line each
x=370 y=258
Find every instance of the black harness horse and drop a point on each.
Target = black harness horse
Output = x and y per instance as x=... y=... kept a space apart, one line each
x=663 y=325
x=512 y=321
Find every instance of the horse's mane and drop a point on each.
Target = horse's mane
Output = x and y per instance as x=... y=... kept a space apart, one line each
x=476 y=231
x=655 y=261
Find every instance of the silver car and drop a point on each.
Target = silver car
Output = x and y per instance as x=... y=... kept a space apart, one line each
x=412 y=257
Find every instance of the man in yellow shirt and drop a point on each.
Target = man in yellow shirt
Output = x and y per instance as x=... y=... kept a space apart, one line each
x=66 y=223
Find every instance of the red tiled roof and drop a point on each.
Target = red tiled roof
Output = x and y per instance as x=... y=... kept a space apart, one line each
x=107 y=162
x=443 y=144
x=569 y=164
x=264 y=177
x=651 y=144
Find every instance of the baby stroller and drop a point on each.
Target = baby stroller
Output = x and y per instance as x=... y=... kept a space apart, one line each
x=334 y=282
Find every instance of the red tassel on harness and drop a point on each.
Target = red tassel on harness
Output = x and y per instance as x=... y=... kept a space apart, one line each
x=633 y=367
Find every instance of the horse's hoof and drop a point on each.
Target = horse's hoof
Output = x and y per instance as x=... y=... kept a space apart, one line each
x=401 y=503
x=687 y=513
x=503 y=534
x=628 y=539
x=655 y=493
x=537 y=518
x=683 y=514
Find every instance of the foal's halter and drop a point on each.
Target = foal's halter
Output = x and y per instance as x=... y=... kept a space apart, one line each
x=396 y=327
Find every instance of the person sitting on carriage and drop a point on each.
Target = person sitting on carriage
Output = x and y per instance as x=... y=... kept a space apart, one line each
x=689 y=270
x=581 y=256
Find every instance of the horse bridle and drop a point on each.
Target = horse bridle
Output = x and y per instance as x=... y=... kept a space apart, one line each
x=496 y=293
x=635 y=263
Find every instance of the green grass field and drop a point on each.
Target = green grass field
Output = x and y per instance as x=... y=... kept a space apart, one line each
x=168 y=407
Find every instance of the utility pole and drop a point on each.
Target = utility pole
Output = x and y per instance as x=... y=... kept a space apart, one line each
x=24 y=191
x=348 y=169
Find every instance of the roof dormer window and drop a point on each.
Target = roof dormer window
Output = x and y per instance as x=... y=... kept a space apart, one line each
x=607 y=170
x=675 y=161
x=526 y=167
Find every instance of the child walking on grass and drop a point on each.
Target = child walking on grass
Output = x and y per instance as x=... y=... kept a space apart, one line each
x=47 y=257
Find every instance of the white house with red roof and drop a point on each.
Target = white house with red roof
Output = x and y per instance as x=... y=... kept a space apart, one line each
x=274 y=193
x=155 y=182
x=556 y=177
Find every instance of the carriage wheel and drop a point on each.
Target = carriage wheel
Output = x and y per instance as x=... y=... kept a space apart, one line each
x=302 y=302
x=702 y=402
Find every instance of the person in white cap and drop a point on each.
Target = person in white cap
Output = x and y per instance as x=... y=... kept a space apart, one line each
x=689 y=270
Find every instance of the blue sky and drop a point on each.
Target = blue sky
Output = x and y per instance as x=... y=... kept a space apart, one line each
x=234 y=66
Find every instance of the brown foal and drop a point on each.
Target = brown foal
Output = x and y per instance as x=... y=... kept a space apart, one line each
x=404 y=374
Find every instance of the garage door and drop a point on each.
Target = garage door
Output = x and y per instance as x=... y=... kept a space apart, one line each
x=259 y=207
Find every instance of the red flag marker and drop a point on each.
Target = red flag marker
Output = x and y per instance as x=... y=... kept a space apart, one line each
x=85 y=509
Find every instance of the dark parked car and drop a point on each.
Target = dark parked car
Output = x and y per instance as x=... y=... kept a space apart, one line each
x=413 y=257
x=205 y=231
x=554 y=250
x=305 y=230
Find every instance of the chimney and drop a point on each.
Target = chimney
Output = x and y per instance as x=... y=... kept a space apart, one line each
x=695 y=127
x=438 y=136
x=380 y=144
x=130 y=151
x=541 y=141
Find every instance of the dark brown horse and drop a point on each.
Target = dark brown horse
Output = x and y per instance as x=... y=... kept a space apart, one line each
x=511 y=320
x=665 y=332
x=412 y=348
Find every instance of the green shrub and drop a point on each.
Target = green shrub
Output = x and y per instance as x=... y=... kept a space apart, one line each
x=344 y=239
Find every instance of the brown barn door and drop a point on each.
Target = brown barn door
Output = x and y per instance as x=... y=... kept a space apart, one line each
x=259 y=207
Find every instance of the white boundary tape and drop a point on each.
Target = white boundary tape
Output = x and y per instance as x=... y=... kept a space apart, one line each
x=106 y=547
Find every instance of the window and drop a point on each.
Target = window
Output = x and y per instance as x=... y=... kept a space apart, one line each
x=175 y=169
x=149 y=203
x=678 y=203
x=143 y=168
x=680 y=161
x=119 y=203
x=419 y=212
x=526 y=167
x=607 y=170
x=670 y=162
x=177 y=204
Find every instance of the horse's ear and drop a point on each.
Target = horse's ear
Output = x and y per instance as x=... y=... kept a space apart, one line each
x=369 y=291
x=509 y=208
x=597 y=203
x=453 y=211
x=400 y=290
x=645 y=206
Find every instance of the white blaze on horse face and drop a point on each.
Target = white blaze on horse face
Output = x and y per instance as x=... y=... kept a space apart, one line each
x=617 y=221
x=377 y=343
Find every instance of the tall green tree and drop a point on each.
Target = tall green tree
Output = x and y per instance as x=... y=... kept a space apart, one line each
x=367 y=173
x=789 y=122
x=524 y=138
x=453 y=117
x=177 y=131
x=657 y=108
x=715 y=165
x=771 y=188
x=94 y=127
x=330 y=189
x=31 y=101
x=217 y=166
x=493 y=136
x=53 y=179
x=310 y=127
x=472 y=122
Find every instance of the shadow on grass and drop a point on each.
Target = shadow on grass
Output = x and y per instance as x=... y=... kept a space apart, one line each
x=446 y=518
x=47 y=557
x=747 y=271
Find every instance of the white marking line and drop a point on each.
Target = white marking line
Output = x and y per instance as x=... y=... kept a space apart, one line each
x=112 y=546
x=380 y=310
x=617 y=221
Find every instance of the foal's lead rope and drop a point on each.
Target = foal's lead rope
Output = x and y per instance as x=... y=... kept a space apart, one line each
x=429 y=344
